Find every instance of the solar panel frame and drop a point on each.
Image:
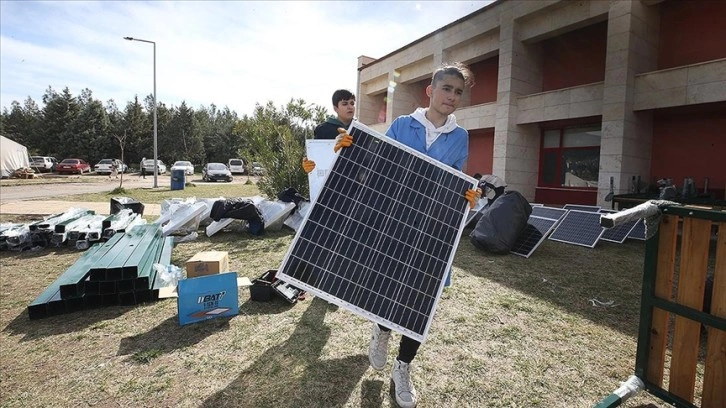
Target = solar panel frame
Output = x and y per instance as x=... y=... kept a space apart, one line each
x=618 y=233
x=586 y=208
x=579 y=228
x=534 y=234
x=638 y=231
x=549 y=212
x=393 y=272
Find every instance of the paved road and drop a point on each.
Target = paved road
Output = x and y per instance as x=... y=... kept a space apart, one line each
x=93 y=184
x=59 y=186
x=45 y=198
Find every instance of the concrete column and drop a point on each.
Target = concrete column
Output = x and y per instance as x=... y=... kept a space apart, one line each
x=626 y=142
x=516 y=148
x=367 y=107
x=402 y=98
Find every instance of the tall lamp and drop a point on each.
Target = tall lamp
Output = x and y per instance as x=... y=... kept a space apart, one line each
x=156 y=156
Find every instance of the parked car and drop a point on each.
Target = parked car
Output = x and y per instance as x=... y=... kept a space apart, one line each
x=257 y=169
x=216 y=171
x=104 y=166
x=43 y=164
x=71 y=166
x=236 y=166
x=188 y=167
x=149 y=166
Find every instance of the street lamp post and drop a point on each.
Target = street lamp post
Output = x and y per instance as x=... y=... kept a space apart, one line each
x=156 y=156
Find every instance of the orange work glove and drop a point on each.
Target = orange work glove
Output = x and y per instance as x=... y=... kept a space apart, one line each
x=343 y=140
x=308 y=165
x=473 y=197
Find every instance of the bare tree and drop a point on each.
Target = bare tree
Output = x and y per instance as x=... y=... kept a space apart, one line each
x=122 y=144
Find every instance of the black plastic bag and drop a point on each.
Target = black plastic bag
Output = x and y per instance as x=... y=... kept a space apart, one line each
x=240 y=209
x=501 y=223
x=120 y=203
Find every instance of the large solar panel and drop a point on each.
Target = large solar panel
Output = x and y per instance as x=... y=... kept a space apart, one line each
x=549 y=212
x=619 y=232
x=587 y=208
x=382 y=234
x=579 y=228
x=533 y=235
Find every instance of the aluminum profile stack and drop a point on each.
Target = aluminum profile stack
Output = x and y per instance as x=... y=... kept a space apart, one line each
x=117 y=272
x=41 y=232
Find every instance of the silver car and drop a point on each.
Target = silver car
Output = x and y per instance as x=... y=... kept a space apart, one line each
x=149 y=166
x=104 y=166
x=188 y=167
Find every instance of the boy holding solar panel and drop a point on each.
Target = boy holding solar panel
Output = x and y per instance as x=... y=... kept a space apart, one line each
x=434 y=132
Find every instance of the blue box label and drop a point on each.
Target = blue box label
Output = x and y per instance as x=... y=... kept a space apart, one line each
x=207 y=297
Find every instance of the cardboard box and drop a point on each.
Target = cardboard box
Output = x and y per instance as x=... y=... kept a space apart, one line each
x=207 y=263
x=207 y=297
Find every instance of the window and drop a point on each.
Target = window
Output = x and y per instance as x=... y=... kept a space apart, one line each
x=570 y=157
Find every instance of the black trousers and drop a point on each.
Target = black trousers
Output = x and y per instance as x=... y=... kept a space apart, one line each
x=407 y=349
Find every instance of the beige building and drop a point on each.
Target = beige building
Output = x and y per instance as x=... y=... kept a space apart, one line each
x=571 y=93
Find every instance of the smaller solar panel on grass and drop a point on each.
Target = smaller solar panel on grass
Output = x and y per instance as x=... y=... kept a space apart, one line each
x=536 y=231
x=638 y=231
x=480 y=206
x=579 y=228
x=549 y=212
x=619 y=232
x=588 y=208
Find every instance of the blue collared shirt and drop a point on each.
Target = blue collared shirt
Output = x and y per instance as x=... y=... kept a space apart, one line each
x=450 y=148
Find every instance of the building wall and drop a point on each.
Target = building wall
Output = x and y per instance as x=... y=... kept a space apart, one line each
x=481 y=148
x=691 y=32
x=691 y=143
x=486 y=73
x=620 y=62
x=575 y=58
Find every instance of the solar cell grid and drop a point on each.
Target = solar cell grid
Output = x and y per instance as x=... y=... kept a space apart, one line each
x=579 y=228
x=619 y=232
x=533 y=235
x=382 y=234
x=638 y=231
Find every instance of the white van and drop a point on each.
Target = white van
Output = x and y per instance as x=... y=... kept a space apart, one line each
x=236 y=166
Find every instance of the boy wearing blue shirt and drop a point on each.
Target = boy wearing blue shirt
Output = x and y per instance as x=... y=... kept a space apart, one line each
x=434 y=132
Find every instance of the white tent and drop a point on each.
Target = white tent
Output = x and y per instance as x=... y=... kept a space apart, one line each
x=13 y=156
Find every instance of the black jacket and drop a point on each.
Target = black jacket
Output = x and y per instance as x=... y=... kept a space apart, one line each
x=329 y=128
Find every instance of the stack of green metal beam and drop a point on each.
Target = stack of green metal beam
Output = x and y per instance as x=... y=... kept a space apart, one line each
x=117 y=272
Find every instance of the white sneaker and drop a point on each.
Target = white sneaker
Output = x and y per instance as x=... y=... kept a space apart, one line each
x=402 y=386
x=378 y=348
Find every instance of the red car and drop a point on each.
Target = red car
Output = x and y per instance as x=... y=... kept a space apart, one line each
x=73 y=166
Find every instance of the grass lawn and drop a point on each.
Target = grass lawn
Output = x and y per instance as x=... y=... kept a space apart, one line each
x=510 y=332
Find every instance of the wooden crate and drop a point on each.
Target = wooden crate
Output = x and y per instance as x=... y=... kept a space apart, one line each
x=672 y=347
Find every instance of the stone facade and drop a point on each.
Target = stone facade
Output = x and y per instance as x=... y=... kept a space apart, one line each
x=513 y=31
